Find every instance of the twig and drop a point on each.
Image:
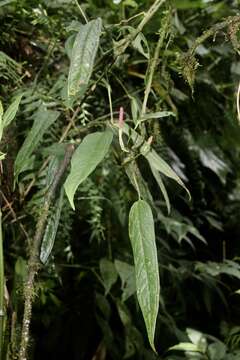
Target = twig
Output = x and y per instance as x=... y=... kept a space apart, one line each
x=70 y=124
x=212 y=31
x=154 y=64
x=148 y=15
x=9 y=206
x=34 y=263
x=81 y=11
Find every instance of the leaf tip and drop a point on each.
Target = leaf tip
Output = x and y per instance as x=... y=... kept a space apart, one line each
x=69 y=195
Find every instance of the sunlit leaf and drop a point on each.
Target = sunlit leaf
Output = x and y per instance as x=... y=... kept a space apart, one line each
x=197 y=338
x=87 y=156
x=83 y=55
x=142 y=236
x=184 y=346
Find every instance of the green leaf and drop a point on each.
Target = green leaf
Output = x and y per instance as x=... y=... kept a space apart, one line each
x=87 y=156
x=227 y=267
x=139 y=43
x=218 y=351
x=83 y=55
x=43 y=119
x=189 y=4
x=5 y=2
x=198 y=339
x=127 y=276
x=184 y=346
x=161 y=185
x=156 y=115
x=138 y=181
x=51 y=229
x=10 y=113
x=108 y=273
x=142 y=236
x=156 y=162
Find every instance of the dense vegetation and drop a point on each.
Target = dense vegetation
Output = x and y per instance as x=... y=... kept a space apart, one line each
x=119 y=165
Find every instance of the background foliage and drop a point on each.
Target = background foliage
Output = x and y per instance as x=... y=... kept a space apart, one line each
x=85 y=304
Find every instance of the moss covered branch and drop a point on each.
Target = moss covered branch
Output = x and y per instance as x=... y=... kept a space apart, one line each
x=34 y=262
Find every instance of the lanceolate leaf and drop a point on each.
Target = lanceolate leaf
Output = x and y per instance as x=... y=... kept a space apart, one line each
x=161 y=185
x=156 y=162
x=43 y=119
x=142 y=236
x=83 y=55
x=51 y=229
x=87 y=156
x=10 y=113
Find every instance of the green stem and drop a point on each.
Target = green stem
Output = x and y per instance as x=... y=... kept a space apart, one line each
x=153 y=64
x=149 y=14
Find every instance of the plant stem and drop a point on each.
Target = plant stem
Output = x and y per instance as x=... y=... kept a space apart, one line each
x=148 y=15
x=153 y=64
x=34 y=262
x=231 y=20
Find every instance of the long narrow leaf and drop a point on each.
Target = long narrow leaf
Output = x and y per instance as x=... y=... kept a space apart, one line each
x=11 y=111
x=155 y=161
x=142 y=236
x=159 y=164
x=83 y=55
x=161 y=185
x=43 y=119
x=51 y=230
